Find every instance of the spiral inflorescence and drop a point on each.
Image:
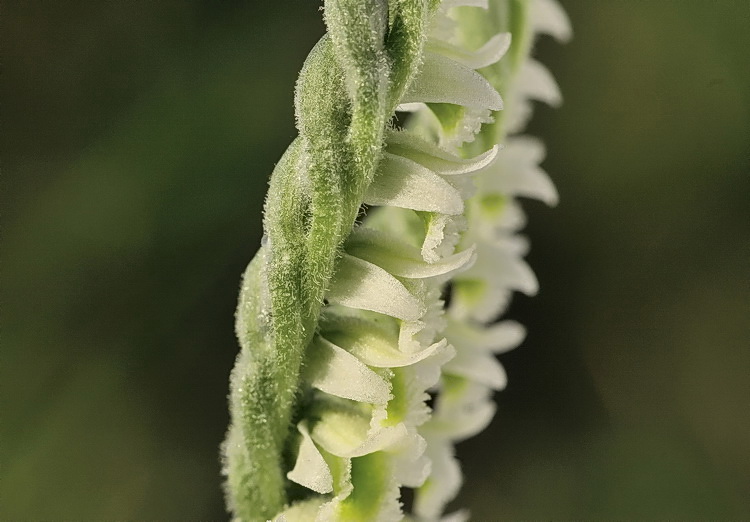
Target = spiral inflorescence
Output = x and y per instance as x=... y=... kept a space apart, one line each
x=342 y=325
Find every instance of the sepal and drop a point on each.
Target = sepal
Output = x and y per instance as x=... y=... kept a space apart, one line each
x=443 y=483
x=517 y=172
x=548 y=17
x=401 y=259
x=361 y=284
x=435 y=158
x=350 y=434
x=403 y=183
x=489 y=53
x=371 y=342
x=310 y=468
x=337 y=372
x=443 y=80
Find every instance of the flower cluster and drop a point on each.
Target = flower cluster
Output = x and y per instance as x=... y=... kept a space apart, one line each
x=343 y=328
x=481 y=294
x=380 y=342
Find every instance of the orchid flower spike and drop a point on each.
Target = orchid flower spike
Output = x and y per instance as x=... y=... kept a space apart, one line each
x=342 y=323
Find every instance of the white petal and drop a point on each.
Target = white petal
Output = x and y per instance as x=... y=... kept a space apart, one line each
x=518 y=114
x=396 y=359
x=455 y=395
x=410 y=107
x=486 y=55
x=497 y=338
x=497 y=219
x=457 y=516
x=398 y=222
x=547 y=16
x=403 y=183
x=442 y=484
x=443 y=234
x=414 y=335
x=401 y=259
x=521 y=277
x=370 y=343
x=302 y=511
x=424 y=122
x=514 y=217
x=380 y=440
x=350 y=436
x=415 y=473
x=466 y=129
x=410 y=465
x=536 y=82
x=533 y=183
x=310 y=469
x=442 y=26
x=498 y=268
x=483 y=291
x=443 y=80
x=517 y=172
x=343 y=477
x=447 y=4
x=480 y=368
x=360 y=284
x=339 y=373
x=427 y=372
x=433 y=157
x=512 y=244
x=465 y=422
x=504 y=336
x=339 y=431
x=481 y=302
x=525 y=149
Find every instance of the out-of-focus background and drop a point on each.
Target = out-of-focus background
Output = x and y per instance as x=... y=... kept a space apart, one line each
x=137 y=141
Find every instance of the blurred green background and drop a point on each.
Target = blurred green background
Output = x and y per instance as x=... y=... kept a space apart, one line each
x=137 y=140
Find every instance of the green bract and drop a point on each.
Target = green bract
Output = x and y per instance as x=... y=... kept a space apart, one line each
x=342 y=327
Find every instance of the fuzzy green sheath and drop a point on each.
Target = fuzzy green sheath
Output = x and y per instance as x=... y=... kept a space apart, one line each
x=346 y=93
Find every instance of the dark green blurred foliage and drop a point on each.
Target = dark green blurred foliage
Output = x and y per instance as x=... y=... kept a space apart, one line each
x=137 y=142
